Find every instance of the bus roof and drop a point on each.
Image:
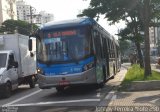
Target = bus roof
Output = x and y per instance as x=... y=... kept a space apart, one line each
x=73 y=23
x=68 y=23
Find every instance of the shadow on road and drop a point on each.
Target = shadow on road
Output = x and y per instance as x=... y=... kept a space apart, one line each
x=18 y=91
x=123 y=95
x=153 y=99
x=75 y=91
x=57 y=109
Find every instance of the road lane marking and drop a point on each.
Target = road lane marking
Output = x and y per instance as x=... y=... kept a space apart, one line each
x=98 y=94
x=56 y=102
x=22 y=98
x=110 y=95
x=114 y=97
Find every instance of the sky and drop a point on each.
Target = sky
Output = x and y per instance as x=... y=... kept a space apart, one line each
x=69 y=9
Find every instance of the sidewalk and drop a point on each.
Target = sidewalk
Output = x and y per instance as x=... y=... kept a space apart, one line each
x=153 y=67
x=133 y=99
x=142 y=98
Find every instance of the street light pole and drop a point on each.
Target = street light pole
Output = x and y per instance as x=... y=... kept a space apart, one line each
x=31 y=18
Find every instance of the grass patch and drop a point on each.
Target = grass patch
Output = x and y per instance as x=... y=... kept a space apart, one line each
x=135 y=73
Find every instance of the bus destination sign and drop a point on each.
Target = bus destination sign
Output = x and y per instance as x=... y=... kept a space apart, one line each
x=62 y=33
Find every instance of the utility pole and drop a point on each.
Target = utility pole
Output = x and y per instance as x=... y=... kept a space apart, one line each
x=33 y=15
x=31 y=18
x=11 y=13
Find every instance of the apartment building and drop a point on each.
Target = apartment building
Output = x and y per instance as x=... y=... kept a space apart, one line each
x=24 y=13
x=44 y=17
x=152 y=36
x=7 y=10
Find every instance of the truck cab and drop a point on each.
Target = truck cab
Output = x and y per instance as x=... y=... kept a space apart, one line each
x=17 y=67
x=8 y=72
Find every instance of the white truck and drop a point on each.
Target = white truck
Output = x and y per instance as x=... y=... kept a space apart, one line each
x=17 y=64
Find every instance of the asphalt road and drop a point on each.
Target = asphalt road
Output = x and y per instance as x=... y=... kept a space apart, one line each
x=75 y=99
x=37 y=100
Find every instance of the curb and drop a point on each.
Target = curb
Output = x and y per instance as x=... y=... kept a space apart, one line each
x=143 y=85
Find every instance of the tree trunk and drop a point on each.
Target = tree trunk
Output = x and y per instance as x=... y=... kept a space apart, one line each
x=137 y=43
x=140 y=57
x=147 y=71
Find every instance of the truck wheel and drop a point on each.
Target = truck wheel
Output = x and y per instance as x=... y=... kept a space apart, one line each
x=8 y=90
x=32 y=82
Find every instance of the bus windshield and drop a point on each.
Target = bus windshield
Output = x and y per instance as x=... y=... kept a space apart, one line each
x=63 y=45
x=3 y=57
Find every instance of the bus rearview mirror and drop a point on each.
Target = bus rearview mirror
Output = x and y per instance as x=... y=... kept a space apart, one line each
x=30 y=44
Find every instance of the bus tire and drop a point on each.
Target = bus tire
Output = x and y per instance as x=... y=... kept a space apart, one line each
x=60 y=88
x=7 y=90
x=112 y=77
x=114 y=72
x=32 y=82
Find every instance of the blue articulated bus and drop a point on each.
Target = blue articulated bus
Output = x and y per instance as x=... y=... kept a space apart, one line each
x=74 y=52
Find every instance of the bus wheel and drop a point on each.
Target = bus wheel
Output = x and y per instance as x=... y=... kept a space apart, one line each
x=114 y=72
x=101 y=85
x=60 y=88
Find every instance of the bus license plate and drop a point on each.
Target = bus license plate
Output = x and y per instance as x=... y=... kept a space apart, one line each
x=63 y=83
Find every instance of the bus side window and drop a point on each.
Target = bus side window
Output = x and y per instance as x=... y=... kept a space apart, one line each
x=98 y=46
x=109 y=48
x=105 y=47
x=111 y=44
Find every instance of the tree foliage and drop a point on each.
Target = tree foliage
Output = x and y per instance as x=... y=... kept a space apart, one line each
x=124 y=46
x=115 y=10
x=138 y=14
x=22 y=27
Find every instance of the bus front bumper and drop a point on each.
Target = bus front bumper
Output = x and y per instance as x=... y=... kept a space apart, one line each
x=87 y=77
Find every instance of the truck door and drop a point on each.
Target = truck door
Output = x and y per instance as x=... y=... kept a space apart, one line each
x=12 y=71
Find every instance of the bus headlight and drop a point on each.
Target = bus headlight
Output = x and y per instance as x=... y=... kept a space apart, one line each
x=40 y=71
x=88 y=66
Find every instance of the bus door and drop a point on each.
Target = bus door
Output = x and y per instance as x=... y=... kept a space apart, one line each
x=105 y=57
x=110 y=57
x=98 y=55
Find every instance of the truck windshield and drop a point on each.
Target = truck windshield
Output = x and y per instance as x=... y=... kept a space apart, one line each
x=3 y=57
x=63 y=45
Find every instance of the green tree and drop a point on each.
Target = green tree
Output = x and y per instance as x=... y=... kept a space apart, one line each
x=130 y=11
x=124 y=46
x=132 y=32
x=22 y=27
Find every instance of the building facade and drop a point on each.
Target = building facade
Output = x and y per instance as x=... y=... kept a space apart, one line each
x=7 y=10
x=152 y=37
x=23 y=11
x=44 y=17
x=28 y=13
